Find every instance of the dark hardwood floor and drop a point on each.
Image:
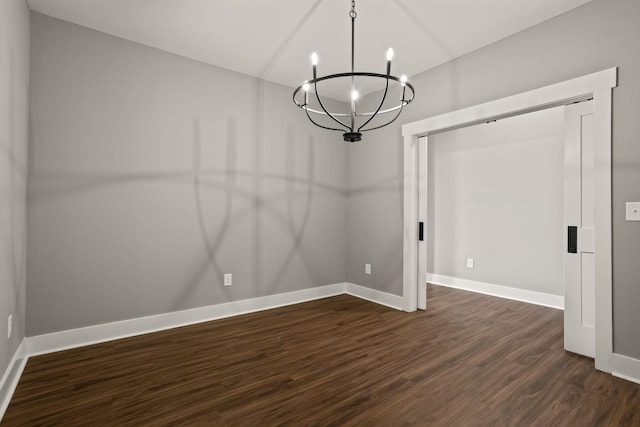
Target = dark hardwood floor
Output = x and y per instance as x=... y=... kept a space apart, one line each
x=469 y=360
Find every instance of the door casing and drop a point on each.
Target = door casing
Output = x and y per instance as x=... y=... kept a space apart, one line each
x=598 y=86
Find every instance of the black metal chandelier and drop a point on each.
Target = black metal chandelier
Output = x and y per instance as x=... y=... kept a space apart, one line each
x=357 y=122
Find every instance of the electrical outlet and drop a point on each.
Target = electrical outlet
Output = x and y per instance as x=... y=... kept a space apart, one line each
x=9 y=326
x=228 y=279
x=367 y=268
x=469 y=262
x=633 y=211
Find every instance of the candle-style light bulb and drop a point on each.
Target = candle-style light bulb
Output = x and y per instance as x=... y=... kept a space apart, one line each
x=314 y=63
x=354 y=95
x=403 y=80
x=389 y=54
x=305 y=87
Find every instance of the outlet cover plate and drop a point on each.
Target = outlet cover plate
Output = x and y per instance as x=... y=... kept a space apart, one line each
x=633 y=211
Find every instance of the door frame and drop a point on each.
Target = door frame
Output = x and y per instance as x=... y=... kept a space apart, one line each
x=598 y=86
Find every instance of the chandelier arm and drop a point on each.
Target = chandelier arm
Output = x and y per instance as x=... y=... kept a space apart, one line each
x=388 y=110
x=369 y=114
x=390 y=121
x=311 y=110
x=318 y=124
x=384 y=96
x=405 y=101
x=315 y=85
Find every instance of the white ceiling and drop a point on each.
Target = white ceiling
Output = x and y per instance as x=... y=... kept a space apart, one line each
x=273 y=39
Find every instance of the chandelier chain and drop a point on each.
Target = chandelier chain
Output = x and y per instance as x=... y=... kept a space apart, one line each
x=353 y=13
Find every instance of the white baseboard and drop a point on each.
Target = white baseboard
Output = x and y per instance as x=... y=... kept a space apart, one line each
x=11 y=376
x=64 y=340
x=532 y=297
x=379 y=297
x=625 y=367
x=57 y=341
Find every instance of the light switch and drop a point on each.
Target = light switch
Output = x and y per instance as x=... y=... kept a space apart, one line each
x=633 y=211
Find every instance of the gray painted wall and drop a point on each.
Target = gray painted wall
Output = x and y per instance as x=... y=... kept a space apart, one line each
x=153 y=175
x=496 y=195
x=596 y=36
x=14 y=122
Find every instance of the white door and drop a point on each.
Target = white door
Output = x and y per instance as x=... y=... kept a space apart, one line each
x=422 y=222
x=579 y=257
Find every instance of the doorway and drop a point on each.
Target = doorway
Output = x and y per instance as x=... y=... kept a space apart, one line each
x=501 y=195
x=597 y=86
x=495 y=207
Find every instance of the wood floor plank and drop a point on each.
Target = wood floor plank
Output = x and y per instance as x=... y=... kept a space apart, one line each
x=470 y=359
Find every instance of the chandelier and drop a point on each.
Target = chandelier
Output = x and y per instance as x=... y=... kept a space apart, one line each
x=351 y=123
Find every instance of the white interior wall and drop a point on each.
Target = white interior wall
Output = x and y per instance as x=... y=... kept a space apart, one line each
x=496 y=195
x=153 y=175
x=14 y=129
